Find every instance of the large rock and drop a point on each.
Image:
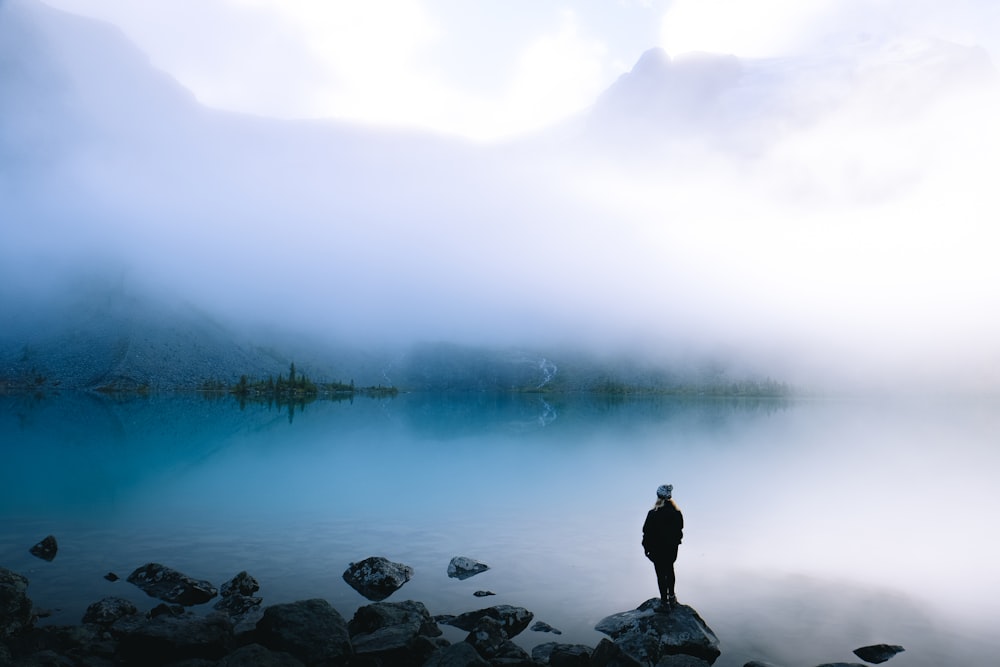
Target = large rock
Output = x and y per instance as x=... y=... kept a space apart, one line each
x=491 y=641
x=311 y=630
x=169 y=585
x=255 y=655
x=463 y=567
x=238 y=597
x=461 y=654
x=46 y=549
x=167 y=638
x=237 y=605
x=394 y=633
x=377 y=578
x=610 y=654
x=241 y=584
x=878 y=653
x=108 y=610
x=15 y=606
x=379 y=615
x=562 y=655
x=513 y=619
x=647 y=636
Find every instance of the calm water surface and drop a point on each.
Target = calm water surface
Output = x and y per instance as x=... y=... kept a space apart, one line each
x=813 y=527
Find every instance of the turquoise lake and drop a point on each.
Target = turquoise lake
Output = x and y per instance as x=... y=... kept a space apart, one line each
x=813 y=527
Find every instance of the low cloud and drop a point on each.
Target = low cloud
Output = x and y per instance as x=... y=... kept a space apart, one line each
x=821 y=219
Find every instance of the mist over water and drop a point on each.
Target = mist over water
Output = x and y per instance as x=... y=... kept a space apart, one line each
x=866 y=516
x=824 y=217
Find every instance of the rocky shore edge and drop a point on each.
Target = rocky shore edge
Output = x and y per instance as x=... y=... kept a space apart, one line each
x=240 y=632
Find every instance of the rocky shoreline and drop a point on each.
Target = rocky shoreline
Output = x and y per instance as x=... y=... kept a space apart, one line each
x=240 y=631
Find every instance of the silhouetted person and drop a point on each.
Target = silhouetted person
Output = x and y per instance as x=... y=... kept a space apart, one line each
x=661 y=535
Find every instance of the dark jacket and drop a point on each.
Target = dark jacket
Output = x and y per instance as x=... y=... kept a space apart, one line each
x=663 y=530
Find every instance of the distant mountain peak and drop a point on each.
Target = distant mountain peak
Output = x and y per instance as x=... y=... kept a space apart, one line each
x=652 y=62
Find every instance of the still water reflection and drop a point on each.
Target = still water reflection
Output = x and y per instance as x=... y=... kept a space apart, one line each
x=812 y=527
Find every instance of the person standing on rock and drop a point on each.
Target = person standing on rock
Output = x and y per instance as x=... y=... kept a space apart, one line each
x=661 y=535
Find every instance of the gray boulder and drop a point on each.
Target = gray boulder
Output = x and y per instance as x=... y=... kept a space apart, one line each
x=241 y=584
x=311 y=630
x=236 y=604
x=396 y=633
x=461 y=654
x=562 y=655
x=512 y=619
x=15 y=606
x=878 y=653
x=610 y=654
x=379 y=615
x=255 y=655
x=541 y=626
x=167 y=638
x=492 y=643
x=46 y=549
x=108 y=610
x=377 y=578
x=647 y=636
x=238 y=597
x=463 y=567
x=169 y=585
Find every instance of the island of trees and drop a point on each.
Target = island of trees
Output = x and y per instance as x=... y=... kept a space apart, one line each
x=293 y=390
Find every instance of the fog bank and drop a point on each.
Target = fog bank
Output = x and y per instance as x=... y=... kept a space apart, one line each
x=828 y=217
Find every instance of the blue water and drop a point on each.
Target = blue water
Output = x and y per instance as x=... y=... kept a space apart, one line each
x=813 y=527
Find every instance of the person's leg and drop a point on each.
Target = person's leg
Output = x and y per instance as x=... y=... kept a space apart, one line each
x=664 y=577
x=669 y=576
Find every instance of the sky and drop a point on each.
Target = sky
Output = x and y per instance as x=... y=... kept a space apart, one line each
x=484 y=69
x=805 y=184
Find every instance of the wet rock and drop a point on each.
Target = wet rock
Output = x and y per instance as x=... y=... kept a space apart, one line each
x=241 y=584
x=461 y=654
x=513 y=619
x=562 y=655
x=610 y=654
x=108 y=610
x=238 y=597
x=377 y=578
x=380 y=615
x=255 y=655
x=166 y=609
x=463 y=567
x=878 y=653
x=311 y=630
x=491 y=641
x=841 y=664
x=15 y=606
x=482 y=594
x=111 y=576
x=539 y=626
x=169 y=585
x=46 y=549
x=236 y=604
x=166 y=638
x=245 y=625
x=396 y=633
x=646 y=636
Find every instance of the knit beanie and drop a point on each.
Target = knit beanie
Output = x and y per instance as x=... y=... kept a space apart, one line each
x=665 y=491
